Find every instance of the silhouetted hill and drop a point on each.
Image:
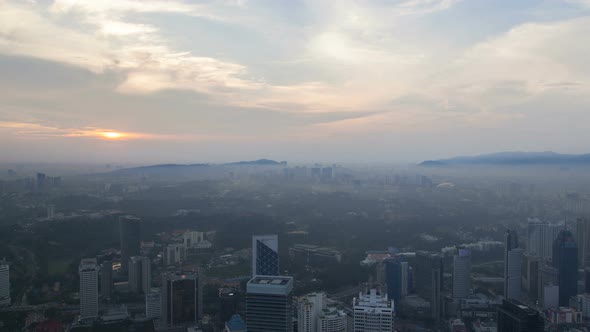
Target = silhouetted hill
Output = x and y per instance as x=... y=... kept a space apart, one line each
x=513 y=159
x=186 y=169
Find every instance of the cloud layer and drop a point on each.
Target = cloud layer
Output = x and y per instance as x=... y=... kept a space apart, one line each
x=299 y=73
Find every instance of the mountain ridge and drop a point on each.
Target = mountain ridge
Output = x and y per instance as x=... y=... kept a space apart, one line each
x=512 y=158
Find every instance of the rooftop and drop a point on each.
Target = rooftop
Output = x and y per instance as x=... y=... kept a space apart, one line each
x=270 y=280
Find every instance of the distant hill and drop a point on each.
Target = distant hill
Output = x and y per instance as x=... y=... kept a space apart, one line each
x=187 y=169
x=513 y=159
x=256 y=162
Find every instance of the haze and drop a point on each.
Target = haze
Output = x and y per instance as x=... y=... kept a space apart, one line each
x=212 y=81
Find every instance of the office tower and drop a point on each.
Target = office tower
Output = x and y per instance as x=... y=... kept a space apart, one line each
x=41 y=181
x=512 y=267
x=192 y=239
x=372 y=312
x=269 y=304
x=229 y=301
x=565 y=260
x=540 y=237
x=333 y=319
x=174 y=253
x=428 y=280
x=4 y=283
x=88 y=271
x=396 y=278
x=583 y=241
x=106 y=279
x=130 y=232
x=265 y=255
x=140 y=274
x=309 y=308
x=531 y=266
x=235 y=324
x=181 y=297
x=153 y=303
x=587 y=280
x=50 y=211
x=514 y=316
x=461 y=274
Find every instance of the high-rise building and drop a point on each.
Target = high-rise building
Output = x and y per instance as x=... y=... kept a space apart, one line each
x=181 y=298
x=130 y=233
x=461 y=274
x=513 y=256
x=583 y=241
x=396 y=278
x=153 y=304
x=106 y=279
x=372 y=312
x=265 y=255
x=540 y=237
x=514 y=316
x=531 y=277
x=192 y=238
x=50 y=211
x=140 y=274
x=88 y=271
x=174 y=253
x=309 y=308
x=235 y=324
x=428 y=280
x=315 y=313
x=229 y=301
x=4 y=283
x=565 y=260
x=269 y=304
x=41 y=181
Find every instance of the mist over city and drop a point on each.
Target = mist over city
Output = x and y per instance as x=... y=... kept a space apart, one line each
x=294 y=166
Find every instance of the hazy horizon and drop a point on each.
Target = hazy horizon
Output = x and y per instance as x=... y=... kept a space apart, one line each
x=145 y=82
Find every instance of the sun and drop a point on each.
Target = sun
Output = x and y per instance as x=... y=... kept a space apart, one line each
x=111 y=135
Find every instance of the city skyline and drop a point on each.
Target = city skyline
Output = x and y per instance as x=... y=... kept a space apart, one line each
x=405 y=80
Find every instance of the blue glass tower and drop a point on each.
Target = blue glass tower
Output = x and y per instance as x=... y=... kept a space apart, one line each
x=265 y=255
x=565 y=260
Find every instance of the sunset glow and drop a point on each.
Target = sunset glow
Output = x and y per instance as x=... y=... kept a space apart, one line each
x=112 y=135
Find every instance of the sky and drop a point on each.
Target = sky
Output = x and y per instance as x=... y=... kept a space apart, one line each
x=151 y=81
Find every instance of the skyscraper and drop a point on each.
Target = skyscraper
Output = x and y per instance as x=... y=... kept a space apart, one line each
x=540 y=237
x=396 y=278
x=181 y=297
x=106 y=279
x=461 y=274
x=583 y=241
x=309 y=308
x=513 y=256
x=372 y=312
x=265 y=255
x=140 y=274
x=228 y=304
x=428 y=280
x=152 y=304
x=269 y=304
x=88 y=271
x=514 y=316
x=565 y=260
x=4 y=283
x=130 y=233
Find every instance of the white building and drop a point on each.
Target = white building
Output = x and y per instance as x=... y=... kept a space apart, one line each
x=152 y=304
x=308 y=310
x=540 y=237
x=192 y=239
x=316 y=313
x=332 y=319
x=174 y=253
x=461 y=274
x=373 y=313
x=4 y=283
x=88 y=271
